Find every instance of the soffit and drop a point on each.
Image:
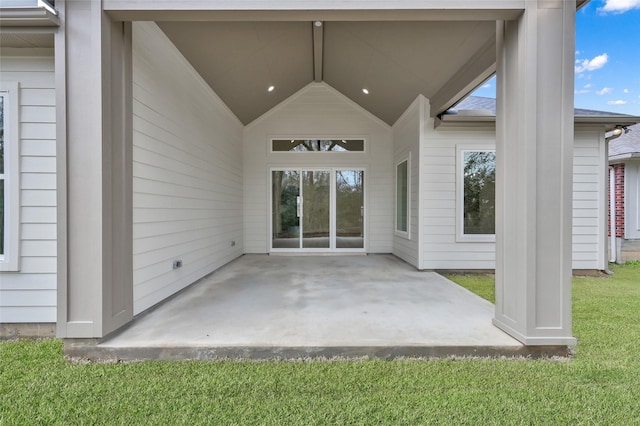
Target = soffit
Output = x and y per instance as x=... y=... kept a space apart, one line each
x=26 y=40
x=396 y=61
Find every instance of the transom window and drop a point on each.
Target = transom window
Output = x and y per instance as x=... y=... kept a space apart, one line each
x=476 y=194
x=317 y=145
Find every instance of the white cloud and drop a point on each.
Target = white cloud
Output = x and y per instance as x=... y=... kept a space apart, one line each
x=604 y=91
x=618 y=102
x=581 y=92
x=620 y=6
x=593 y=64
x=588 y=86
x=626 y=91
x=486 y=86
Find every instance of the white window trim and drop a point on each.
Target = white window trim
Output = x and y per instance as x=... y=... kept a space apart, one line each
x=404 y=234
x=460 y=235
x=332 y=211
x=9 y=261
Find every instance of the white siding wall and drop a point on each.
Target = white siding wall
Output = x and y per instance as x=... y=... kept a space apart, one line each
x=318 y=111
x=589 y=198
x=440 y=249
x=406 y=140
x=187 y=187
x=631 y=195
x=438 y=179
x=30 y=294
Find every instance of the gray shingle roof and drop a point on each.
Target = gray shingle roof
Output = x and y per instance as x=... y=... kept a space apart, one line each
x=479 y=102
x=628 y=143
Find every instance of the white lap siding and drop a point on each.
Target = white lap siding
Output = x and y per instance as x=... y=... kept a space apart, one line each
x=406 y=144
x=29 y=295
x=318 y=111
x=187 y=187
x=440 y=250
x=589 y=200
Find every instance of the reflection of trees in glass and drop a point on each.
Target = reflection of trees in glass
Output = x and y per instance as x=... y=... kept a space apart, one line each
x=319 y=145
x=315 y=193
x=349 y=202
x=285 y=196
x=479 y=192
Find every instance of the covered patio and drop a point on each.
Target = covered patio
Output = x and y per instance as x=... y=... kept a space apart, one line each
x=163 y=159
x=263 y=307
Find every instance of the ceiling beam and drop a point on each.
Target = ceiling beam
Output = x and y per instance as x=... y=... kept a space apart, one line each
x=470 y=75
x=318 y=46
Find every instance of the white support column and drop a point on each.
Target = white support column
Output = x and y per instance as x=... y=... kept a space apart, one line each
x=534 y=173
x=96 y=291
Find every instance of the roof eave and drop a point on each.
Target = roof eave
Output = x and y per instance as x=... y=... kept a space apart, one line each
x=34 y=13
x=623 y=157
x=607 y=122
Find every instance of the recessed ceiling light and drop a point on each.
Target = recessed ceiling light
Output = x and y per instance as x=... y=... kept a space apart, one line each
x=270 y=88
x=318 y=23
x=365 y=91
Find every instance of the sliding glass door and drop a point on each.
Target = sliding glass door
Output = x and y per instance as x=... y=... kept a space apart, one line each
x=286 y=208
x=317 y=210
x=349 y=209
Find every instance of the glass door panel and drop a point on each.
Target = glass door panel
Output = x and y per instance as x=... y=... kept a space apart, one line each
x=349 y=209
x=286 y=209
x=316 y=208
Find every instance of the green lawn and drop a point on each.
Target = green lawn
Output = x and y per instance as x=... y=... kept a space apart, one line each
x=600 y=386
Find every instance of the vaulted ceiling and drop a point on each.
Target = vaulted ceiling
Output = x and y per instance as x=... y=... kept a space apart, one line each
x=395 y=61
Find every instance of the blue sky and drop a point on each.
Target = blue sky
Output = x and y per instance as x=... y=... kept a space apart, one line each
x=607 y=57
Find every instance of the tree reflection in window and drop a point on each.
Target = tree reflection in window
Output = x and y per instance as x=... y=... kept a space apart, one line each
x=317 y=145
x=479 y=192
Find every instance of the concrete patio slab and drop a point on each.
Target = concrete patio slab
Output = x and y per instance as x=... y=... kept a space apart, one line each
x=261 y=306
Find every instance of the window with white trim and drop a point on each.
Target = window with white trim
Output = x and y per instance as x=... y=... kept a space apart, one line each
x=9 y=189
x=476 y=206
x=403 y=196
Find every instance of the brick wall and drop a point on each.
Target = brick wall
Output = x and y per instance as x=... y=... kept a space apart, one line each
x=619 y=200
x=619 y=174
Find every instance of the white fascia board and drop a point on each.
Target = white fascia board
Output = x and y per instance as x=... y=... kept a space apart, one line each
x=614 y=159
x=464 y=121
x=27 y=13
x=308 y=10
x=608 y=122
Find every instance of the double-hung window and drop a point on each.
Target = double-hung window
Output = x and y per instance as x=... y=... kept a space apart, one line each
x=9 y=189
x=476 y=194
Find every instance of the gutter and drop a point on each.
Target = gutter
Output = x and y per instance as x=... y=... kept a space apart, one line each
x=610 y=122
x=622 y=157
x=27 y=13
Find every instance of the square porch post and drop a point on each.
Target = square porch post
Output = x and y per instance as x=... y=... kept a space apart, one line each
x=94 y=104
x=534 y=129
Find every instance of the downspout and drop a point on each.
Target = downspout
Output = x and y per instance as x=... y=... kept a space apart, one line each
x=616 y=133
x=612 y=214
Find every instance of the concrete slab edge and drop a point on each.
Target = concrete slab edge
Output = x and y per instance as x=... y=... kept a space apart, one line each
x=90 y=350
x=39 y=330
